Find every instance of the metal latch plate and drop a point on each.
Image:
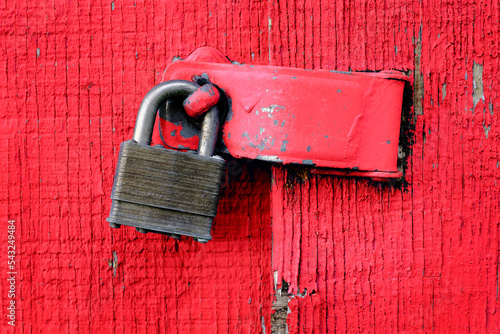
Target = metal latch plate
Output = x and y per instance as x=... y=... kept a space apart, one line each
x=339 y=120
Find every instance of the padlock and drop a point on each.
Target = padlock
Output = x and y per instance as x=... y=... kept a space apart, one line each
x=166 y=191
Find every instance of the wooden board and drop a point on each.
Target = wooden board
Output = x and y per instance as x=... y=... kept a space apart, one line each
x=373 y=258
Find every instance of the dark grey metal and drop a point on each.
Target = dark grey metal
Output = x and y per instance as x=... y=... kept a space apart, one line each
x=146 y=115
x=157 y=96
x=209 y=131
x=166 y=191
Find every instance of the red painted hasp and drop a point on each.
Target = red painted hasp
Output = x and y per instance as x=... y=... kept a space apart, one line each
x=345 y=122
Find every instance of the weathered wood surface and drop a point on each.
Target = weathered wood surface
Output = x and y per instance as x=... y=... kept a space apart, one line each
x=372 y=258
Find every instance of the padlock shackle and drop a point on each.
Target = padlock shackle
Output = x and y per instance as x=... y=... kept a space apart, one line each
x=158 y=95
x=209 y=131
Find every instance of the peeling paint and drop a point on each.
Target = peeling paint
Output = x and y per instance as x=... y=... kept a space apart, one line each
x=418 y=77
x=342 y=72
x=263 y=142
x=401 y=152
x=477 y=82
x=229 y=112
x=270 y=158
x=307 y=162
x=270 y=110
x=113 y=263
x=283 y=146
x=269 y=27
x=486 y=129
x=204 y=76
x=309 y=148
x=280 y=307
x=204 y=98
x=301 y=295
x=188 y=132
x=262 y=146
x=173 y=133
x=443 y=91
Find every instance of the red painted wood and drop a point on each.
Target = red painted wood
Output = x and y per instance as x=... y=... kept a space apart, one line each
x=72 y=76
x=378 y=259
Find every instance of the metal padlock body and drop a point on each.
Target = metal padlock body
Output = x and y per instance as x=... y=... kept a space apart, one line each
x=166 y=191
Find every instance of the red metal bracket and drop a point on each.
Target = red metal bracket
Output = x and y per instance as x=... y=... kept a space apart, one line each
x=344 y=123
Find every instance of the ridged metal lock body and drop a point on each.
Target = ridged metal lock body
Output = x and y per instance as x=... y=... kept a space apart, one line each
x=166 y=191
x=162 y=190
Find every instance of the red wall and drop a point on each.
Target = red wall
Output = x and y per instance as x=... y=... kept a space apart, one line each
x=373 y=258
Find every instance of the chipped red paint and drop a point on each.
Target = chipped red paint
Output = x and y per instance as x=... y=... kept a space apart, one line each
x=72 y=77
x=200 y=101
x=373 y=258
x=321 y=118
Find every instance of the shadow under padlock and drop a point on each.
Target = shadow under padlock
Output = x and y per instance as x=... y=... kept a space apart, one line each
x=166 y=191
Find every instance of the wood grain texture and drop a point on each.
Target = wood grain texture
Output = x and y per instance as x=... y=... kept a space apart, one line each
x=363 y=257
x=372 y=258
x=72 y=76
